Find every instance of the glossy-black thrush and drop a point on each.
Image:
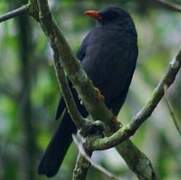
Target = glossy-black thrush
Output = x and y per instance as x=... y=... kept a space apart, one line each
x=108 y=55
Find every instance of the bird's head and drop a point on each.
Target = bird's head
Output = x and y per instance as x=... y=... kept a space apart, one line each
x=113 y=17
x=109 y=15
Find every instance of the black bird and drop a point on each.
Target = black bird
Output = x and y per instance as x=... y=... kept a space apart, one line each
x=108 y=54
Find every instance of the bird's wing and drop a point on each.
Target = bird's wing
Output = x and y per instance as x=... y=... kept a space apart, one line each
x=82 y=51
x=110 y=60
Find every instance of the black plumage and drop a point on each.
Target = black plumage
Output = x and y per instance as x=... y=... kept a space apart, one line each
x=108 y=54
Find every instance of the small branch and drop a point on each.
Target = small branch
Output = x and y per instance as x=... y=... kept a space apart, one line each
x=82 y=165
x=158 y=93
x=14 y=13
x=128 y=130
x=171 y=111
x=88 y=159
x=66 y=92
x=81 y=168
x=169 y=5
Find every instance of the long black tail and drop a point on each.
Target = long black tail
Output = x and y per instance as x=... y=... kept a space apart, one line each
x=57 y=148
x=59 y=144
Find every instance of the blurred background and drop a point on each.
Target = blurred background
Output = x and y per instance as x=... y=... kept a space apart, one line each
x=29 y=92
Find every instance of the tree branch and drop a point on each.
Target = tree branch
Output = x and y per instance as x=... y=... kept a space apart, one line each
x=16 y=12
x=82 y=164
x=169 y=5
x=128 y=130
x=171 y=111
x=81 y=168
x=84 y=155
x=66 y=92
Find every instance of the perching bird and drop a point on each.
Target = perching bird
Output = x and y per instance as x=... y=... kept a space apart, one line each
x=108 y=54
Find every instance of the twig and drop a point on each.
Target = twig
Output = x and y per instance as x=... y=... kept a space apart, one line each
x=16 y=12
x=87 y=157
x=169 y=5
x=128 y=130
x=171 y=111
x=82 y=165
x=81 y=168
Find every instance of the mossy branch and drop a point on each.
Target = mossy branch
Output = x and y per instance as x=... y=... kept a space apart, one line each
x=170 y=5
x=14 y=13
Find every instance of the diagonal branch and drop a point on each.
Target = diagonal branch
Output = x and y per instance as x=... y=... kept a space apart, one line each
x=81 y=168
x=128 y=130
x=82 y=164
x=171 y=111
x=16 y=12
x=67 y=95
x=83 y=153
x=169 y=5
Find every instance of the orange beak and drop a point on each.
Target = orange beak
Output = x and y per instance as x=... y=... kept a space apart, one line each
x=93 y=13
